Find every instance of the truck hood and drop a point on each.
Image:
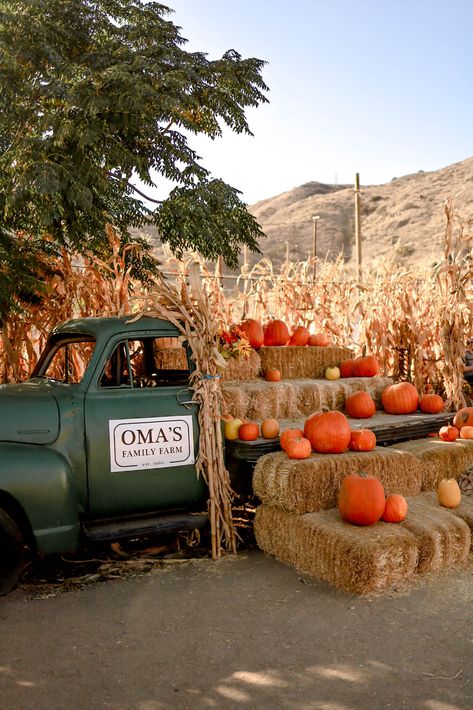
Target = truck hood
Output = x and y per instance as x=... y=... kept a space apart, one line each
x=28 y=414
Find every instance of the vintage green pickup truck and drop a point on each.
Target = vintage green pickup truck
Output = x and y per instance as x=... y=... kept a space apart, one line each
x=99 y=443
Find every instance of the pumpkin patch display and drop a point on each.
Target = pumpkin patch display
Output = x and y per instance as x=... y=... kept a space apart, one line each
x=248 y=431
x=298 y=448
x=362 y=440
x=366 y=366
x=319 y=340
x=360 y=405
x=276 y=332
x=269 y=428
x=464 y=417
x=466 y=432
x=361 y=499
x=300 y=336
x=395 y=509
x=346 y=368
x=448 y=433
x=401 y=398
x=448 y=493
x=272 y=375
x=328 y=432
x=289 y=434
x=431 y=403
x=253 y=331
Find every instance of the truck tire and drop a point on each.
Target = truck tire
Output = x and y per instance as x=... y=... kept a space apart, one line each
x=13 y=553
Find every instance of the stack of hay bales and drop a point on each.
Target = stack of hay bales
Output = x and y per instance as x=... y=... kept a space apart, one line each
x=299 y=523
x=295 y=362
x=439 y=459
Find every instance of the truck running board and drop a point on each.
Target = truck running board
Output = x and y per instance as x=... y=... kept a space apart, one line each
x=140 y=526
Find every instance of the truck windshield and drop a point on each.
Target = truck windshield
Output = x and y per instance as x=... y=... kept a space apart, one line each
x=65 y=360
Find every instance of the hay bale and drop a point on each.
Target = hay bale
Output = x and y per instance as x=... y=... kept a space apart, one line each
x=443 y=538
x=463 y=511
x=439 y=459
x=360 y=560
x=302 y=361
x=312 y=484
x=242 y=368
x=171 y=358
x=294 y=399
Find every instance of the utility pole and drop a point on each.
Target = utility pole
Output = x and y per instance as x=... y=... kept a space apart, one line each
x=315 y=219
x=358 y=225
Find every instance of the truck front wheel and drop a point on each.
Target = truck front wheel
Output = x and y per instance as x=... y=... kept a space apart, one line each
x=13 y=555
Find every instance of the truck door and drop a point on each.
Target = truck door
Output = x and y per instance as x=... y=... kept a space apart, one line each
x=141 y=432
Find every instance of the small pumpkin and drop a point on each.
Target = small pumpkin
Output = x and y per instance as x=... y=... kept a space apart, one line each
x=361 y=499
x=320 y=340
x=332 y=373
x=466 y=432
x=269 y=428
x=276 y=332
x=289 y=434
x=272 y=375
x=362 y=440
x=401 y=398
x=254 y=332
x=360 y=405
x=300 y=336
x=299 y=448
x=248 y=431
x=448 y=493
x=448 y=433
x=346 y=368
x=366 y=366
x=431 y=403
x=328 y=432
x=395 y=509
x=464 y=417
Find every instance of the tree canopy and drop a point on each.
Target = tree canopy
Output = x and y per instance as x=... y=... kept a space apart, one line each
x=96 y=95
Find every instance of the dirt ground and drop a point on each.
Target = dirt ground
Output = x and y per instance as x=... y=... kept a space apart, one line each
x=242 y=632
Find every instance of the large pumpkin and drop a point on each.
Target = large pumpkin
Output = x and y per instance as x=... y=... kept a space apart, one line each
x=253 y=331
x=360 y=405
x=464 y=417
x=346 y=368
x=328 y=432
x=365 y=366
x=276 y=332
x=361 y=499
x=395 y=509
x=300 y=336
x=401 y=398
x=431 y=403
x=362 y=440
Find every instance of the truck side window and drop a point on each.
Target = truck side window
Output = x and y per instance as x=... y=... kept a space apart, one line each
x=170 y=362
x=115 y=372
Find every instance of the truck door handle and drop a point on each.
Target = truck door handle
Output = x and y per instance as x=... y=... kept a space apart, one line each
x=187 y=403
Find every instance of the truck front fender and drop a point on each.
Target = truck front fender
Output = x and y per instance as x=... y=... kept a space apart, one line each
x=41 y=482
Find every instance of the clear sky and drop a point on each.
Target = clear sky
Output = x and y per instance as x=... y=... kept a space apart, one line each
x=379 y=87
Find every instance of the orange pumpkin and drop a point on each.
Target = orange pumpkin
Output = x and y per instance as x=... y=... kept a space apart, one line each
x=401 y=398
x=272 y=375
x=269 y=428
x=362 y=440
x=366 y=366
x=346 y=368
x=276 y=332
x=395 y=509
x=431 y=403
x=360 y=405
x=299 y=448
x=300 y=336
x=448 y=433
x=253 y=331
x=328 y=432
x=466 y=432
x=361 y=499
x=248 y=431
x=464 y=417
x=320 y=340
x=289 y=434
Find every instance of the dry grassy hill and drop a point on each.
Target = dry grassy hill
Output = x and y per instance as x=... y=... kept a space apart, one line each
x=403 y=219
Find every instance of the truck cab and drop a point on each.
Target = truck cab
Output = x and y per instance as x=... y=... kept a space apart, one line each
x=100 y=443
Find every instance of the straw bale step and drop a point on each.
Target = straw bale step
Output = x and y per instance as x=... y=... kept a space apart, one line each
x=439 y=459
x=463 y=511
x=294 y=399
x=312 y=484
x=302 y=361
x=360 y=560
